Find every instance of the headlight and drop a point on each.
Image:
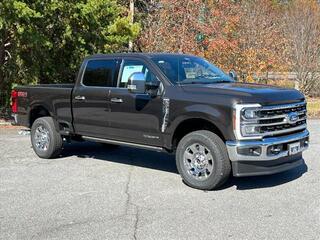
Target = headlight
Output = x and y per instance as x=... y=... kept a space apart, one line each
x=249 y=113
x=245 y=119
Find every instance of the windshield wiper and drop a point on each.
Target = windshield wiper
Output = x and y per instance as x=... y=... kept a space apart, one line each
x=194 y=82
x=223 y=81
x=197 y=82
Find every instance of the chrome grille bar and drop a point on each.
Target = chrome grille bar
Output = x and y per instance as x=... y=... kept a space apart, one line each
x=272 y=120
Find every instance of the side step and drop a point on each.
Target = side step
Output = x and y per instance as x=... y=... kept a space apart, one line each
x=128 y=144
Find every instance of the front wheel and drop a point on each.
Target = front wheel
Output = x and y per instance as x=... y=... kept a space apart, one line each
x=46 y=141
x=202 y=160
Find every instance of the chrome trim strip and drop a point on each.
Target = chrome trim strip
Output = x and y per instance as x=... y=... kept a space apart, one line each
x=284 y=106
x=284 y=121
x=274 y=133
x=129 y=144
x=237 y=115
x=273 y=117
x=264 y=144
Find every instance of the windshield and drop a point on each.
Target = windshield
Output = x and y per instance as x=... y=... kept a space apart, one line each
x=190 y=70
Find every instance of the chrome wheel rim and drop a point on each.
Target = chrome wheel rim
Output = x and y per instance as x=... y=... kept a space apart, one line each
x=198 y=161
x=41 y=138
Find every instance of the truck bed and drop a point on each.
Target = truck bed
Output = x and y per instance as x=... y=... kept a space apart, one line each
x=56 y=98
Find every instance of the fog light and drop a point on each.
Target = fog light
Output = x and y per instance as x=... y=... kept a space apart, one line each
x=250 y=130
x=275 y=149
x=251 y=151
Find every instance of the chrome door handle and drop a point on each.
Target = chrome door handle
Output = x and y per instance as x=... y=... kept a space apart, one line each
x=80 y=98
x=116 y=100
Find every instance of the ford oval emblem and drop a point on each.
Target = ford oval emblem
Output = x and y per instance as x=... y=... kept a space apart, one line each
x=293 y=117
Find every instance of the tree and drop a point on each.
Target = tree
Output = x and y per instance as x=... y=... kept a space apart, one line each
x=236 y=35
x=206 y=28
x=302 y=26
x=48 y=39
x=15 y=28
x=261 y=41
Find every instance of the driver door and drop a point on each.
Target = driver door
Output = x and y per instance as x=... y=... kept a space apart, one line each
x=135 y=117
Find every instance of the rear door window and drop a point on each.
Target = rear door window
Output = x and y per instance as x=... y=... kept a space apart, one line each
x=100 y=73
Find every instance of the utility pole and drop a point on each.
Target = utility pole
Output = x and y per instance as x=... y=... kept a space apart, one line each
x=131 y=16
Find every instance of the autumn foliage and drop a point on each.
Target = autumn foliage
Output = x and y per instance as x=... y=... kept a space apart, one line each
x=250 y=36
x=45 y=43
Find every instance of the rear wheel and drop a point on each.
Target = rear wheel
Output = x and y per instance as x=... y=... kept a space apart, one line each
x=202 y=160
x=46 y=141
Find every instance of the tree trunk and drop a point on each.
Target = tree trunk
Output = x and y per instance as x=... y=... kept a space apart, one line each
x=2 y=80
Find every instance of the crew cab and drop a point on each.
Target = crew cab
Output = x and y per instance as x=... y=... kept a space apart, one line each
x=181 y=104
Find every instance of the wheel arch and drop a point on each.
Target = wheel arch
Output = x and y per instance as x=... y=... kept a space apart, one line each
x=190 y=124
x=39 y=110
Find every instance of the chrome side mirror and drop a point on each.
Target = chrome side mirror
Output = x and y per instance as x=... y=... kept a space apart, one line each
x=137 y=83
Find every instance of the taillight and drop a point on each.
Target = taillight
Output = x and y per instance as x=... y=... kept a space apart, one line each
x=14 y=101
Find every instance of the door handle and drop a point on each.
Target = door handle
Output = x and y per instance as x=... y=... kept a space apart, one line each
x=116 y=100
x=80 y=98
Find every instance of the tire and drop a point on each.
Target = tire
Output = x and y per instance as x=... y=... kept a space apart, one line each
x=50 y=145
x=207 y=167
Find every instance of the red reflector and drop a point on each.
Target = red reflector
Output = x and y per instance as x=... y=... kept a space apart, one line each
x=14 y=101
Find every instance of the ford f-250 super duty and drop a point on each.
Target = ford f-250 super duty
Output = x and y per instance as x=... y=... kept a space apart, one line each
x=176 y=103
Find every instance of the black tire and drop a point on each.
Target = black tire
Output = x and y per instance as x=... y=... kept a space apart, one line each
x=54 y=146
x=221 y=167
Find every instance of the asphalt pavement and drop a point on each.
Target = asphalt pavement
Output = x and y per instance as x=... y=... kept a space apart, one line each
x=93 y=192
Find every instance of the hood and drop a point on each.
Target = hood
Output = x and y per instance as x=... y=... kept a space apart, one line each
x=247 y=92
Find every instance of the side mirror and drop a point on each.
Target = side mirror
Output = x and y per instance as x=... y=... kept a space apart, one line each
x=137 y=83
x=233 y=75
x=152 y=88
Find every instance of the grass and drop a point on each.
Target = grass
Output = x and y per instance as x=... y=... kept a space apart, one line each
x=313 y=107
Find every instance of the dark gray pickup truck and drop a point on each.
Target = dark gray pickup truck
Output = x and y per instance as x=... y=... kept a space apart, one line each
x=176 y=103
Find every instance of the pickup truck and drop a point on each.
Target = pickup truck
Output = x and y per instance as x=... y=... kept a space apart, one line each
x=177 y=103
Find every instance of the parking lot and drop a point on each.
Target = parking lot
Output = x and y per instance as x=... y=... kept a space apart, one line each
x=93 y=192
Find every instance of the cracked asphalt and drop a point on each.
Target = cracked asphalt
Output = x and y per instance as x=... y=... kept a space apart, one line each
x=93 y=192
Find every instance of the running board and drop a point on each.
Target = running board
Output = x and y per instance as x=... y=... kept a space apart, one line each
x=110 y=141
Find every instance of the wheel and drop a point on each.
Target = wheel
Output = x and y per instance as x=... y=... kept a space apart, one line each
x=202 y=160
x=46 y=141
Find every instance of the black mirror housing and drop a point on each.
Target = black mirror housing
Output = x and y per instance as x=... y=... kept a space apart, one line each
x=233 y=75
x=152 y=88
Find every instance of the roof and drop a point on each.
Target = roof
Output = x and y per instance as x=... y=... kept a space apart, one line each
x=136 y=54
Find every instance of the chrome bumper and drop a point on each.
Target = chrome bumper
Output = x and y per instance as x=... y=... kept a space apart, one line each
x=233 y=146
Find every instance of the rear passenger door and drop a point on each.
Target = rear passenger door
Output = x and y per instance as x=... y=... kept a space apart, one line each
x=91 y=106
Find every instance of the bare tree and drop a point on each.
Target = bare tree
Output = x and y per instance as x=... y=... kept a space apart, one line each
x=261 y=42
x=302 y=26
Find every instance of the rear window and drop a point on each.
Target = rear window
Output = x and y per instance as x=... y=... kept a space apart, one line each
x=100 y=73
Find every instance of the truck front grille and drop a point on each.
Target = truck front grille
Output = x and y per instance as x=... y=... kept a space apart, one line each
x=281 y=119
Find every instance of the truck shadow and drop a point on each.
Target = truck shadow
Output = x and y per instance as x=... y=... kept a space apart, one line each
x=122 y=155
x=247 y=183
x=166 y=162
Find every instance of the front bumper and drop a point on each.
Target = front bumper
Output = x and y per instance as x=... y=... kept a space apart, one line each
x=266 y=162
